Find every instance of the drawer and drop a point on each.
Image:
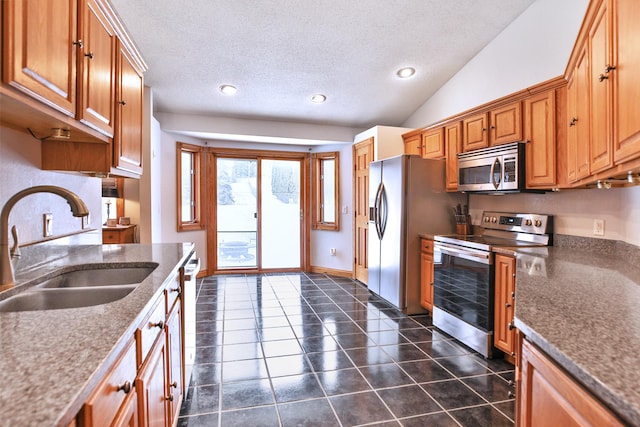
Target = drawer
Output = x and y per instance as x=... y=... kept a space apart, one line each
x=148 y=331
x=111 y=237
x=103 y=405
x=172 y=293
x=426 y=246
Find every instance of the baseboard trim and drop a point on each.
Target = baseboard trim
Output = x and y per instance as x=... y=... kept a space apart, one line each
x=332 y=271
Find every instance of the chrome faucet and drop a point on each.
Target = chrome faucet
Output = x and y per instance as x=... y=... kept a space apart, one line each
x=78 y=208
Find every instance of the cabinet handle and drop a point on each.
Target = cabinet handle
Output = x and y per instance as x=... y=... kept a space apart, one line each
x=78 y=43
x=169 y=398
x=573 y=121
x=89 y=55
x=507 y=305
x=160 y=324
x=123 y=103
x=126 y=387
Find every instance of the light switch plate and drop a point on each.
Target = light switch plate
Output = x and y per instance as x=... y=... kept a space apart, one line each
x=47 y=224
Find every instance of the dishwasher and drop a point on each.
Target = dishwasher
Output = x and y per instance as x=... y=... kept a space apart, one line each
x=188 y=274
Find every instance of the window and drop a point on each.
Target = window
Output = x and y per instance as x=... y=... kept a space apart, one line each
x=189 y=190
x=326 y=191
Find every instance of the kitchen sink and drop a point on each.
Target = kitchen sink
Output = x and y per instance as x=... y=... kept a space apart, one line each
x=53 y=299
x=85 y=286
x=103 y=275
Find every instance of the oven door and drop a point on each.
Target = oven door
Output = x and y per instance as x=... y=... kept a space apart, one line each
x=463 y=295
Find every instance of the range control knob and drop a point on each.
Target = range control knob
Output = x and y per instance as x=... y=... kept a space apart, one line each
x=486 y=219
x=494 y=219
x=527 y=222
x=537 y=223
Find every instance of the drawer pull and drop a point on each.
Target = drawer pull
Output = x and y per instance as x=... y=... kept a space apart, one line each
x=160 y=324
x=126 y=387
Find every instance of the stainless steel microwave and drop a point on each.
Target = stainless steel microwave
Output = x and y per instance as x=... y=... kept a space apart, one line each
x=494 y=169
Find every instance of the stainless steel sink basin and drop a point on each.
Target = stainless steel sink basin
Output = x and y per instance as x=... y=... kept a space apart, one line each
x=52 y=299
x=100 y=276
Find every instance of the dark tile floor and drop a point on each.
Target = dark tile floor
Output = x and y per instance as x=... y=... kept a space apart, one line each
x=313 y=350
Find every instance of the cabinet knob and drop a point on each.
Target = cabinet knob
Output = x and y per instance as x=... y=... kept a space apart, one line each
x=160 y=325
x=573 y=121
x=511 y=394
x=126 y=387
x=174 y=384
x=609 y=68
x=492 y=127
x=89 y=55
x=602 y=78
x=484 y=129
x=431 y=283
x=511 y=326
x=123 y=103
x=507 y=305
x=78 y=43
x=176 y=290
x=169 y=398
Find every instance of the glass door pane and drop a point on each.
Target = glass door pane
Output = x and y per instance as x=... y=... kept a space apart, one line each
x=237 y=207
x=280 y=213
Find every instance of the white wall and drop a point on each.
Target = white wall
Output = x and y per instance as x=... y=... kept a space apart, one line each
x=20 y=159
x=387 y=140
x=533 y=48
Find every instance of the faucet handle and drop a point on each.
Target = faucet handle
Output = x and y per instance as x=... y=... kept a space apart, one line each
x=15 y=249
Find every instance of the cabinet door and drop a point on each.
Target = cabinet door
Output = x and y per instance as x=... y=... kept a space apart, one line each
x=174 y=372
x=97 y=70
x=626 y=90
x=433 y=143
x=505 y=287
x=547 y=396
x=505 y=124
x=578 y=102
x=453 y=146
x=128 y=415
x=600 y=147
x=151 y=384
x=127 y=142
x=474 y=132
x=413 y=144
x=426 y=274
x=540 y=131
x=39 y=53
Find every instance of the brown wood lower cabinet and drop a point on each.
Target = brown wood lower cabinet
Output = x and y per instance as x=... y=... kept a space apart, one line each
x=548 y=396
x=426 y=273
x=119 y=234
x=144 y=387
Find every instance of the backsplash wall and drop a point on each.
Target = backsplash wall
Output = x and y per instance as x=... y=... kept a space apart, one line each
x=20 y=168
x=574 y=210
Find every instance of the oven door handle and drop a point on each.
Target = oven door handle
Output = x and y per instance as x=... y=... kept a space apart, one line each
x=483 y=257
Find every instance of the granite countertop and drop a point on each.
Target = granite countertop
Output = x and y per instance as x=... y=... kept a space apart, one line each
x=50 y=361
x=581 y=306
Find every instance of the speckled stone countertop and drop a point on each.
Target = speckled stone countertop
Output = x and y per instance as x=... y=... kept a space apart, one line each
x=51 y=360
x=581 y=305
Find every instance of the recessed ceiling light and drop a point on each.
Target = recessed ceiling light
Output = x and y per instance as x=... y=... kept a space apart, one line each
x=228 y=89
x=406 y=72
x=318 y=98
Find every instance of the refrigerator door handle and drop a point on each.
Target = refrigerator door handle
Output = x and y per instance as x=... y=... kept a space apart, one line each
x=377 y=207
x=383 y=211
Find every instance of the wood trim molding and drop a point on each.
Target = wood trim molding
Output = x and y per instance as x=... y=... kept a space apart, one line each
x=331 y=271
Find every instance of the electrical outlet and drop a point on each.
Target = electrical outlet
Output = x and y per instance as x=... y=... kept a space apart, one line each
x=332 y=251
x=598 y=227
x=47 y=224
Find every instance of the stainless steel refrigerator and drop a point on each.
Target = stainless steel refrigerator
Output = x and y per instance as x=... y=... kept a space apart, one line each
x=407 y=197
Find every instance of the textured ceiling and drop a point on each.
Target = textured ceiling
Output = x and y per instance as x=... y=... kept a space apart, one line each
x=279 y=53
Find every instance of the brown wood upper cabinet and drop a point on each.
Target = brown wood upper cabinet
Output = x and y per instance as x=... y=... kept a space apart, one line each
x=433 y=146
x=453 y=146
x=498 y=126
x=603 y=93
x=70 y=65
x=413 y=142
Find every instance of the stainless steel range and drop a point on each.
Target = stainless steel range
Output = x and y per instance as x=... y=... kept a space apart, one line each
x=464 y=273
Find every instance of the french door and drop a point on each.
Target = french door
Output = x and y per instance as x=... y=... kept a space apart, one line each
x=258 y=215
